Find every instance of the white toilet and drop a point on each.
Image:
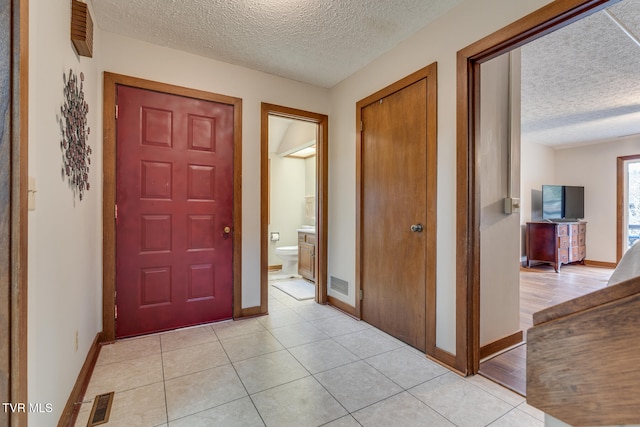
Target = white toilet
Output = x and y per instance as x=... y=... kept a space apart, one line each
x=289 y=257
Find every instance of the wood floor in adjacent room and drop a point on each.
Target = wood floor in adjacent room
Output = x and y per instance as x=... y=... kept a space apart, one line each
x=541 y=287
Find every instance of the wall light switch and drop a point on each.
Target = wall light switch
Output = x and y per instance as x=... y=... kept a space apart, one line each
x=32 y=194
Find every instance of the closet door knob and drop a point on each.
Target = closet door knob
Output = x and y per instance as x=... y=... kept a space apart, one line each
x=417 y=228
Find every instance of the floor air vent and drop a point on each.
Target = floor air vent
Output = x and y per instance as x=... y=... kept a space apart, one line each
x=339 y=285
x=101 y=409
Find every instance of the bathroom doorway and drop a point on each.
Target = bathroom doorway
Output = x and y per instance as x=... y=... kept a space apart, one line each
x=293 y=202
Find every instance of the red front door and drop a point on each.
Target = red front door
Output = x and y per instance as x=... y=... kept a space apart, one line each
x=174 y=196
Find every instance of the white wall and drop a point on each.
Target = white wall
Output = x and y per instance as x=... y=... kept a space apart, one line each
x=576 y=166
x=538 y=168
x=499 y=232
x=594 y=167
x=65 y=235
x=65 y=241
x=439 y=42
x=287 y=202
x=127 y=56
x=310 y=177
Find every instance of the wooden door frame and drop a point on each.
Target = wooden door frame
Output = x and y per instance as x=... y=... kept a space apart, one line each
x=620 y=204
x=322 y=147
x=13 y=211
x=430 y=74
x=111 y=81
x=549 y=18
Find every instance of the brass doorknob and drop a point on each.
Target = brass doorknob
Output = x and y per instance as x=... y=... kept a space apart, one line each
x=417 y=228
x=227 y=230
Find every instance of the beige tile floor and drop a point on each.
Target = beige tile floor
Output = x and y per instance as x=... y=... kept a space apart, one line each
x=302 y=365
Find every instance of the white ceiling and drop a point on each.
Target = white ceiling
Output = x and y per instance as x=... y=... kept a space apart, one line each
x=580 y=83
x=318 y=42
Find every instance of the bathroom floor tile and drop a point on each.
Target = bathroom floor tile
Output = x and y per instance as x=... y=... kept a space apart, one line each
x=406 y=368
x=125 y=375
x=534 y=412
x=460 y=401
x=518 y=418
x=503 y=393
x=284 y=317
x=298 y=334
x=197 y=392
x=313 y=311
x=192 y=359
x=234 y=328
x=126 y=349
x=275 y=306
x=187 y=337
x=401 y=410
x=250 y=345
x=367 y=343
x=357 y=385
x=239 y=413
x=322 y=355
x=303 y=402
x=346 y=421
x=304 y=364
x=138 y=407
x=269 y=370
x=339 y=325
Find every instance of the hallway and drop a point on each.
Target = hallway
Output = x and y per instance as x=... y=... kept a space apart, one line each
x=302 y=365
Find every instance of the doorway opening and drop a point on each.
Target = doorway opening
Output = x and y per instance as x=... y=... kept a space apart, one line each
x=468 y=248
x=293 y=220
x=628 y=194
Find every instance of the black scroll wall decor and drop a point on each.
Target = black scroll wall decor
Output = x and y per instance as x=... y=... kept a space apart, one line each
x=74 y=144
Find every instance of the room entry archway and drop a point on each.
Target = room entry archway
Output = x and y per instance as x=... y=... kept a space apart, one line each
x=322 y=144
x=543 y=21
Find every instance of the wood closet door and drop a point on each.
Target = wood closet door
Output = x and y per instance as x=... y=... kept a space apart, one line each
x=394 y=198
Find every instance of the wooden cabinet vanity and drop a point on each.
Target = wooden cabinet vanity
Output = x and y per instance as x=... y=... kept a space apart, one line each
x=307 y=255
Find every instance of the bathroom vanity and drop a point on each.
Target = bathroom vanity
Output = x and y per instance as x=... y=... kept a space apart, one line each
x=307 y=255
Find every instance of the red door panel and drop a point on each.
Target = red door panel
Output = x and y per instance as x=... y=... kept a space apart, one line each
x=174 y=195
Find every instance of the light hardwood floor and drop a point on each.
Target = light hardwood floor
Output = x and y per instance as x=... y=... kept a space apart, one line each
x=541 y=287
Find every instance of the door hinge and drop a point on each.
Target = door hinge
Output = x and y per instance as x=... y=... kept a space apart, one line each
x=361 y=294
x=116 y=111
x=116 y=312
x=115 y=212
x=361 y=126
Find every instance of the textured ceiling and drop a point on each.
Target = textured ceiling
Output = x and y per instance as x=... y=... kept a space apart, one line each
x=318 y=42
x=581 y=84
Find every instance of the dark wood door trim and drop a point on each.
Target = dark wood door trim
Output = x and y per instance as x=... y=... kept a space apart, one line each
x=111 y=80
x=620 y=205
x=322 y=166
x=430 y=74
x=543 y=21
x=14 y=28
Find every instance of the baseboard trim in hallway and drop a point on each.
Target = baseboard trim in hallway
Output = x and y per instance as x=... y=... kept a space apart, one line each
x=71 y=409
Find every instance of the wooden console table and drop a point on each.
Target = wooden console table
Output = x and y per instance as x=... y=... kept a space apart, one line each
x=556 y=242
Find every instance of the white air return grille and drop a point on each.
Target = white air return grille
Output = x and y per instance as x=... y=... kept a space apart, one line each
x=339 y=285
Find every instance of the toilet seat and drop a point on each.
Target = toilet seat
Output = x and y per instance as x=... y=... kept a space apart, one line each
x=287 y=250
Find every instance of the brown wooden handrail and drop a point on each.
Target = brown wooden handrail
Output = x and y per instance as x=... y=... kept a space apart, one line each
x=583 y=356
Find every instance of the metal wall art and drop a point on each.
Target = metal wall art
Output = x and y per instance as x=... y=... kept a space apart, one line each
x=75 y=134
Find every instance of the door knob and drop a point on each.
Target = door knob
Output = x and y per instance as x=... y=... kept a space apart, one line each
x=417 y=228
x=226 y=230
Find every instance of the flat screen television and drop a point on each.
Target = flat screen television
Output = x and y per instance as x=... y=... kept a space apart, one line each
x=562 y=202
